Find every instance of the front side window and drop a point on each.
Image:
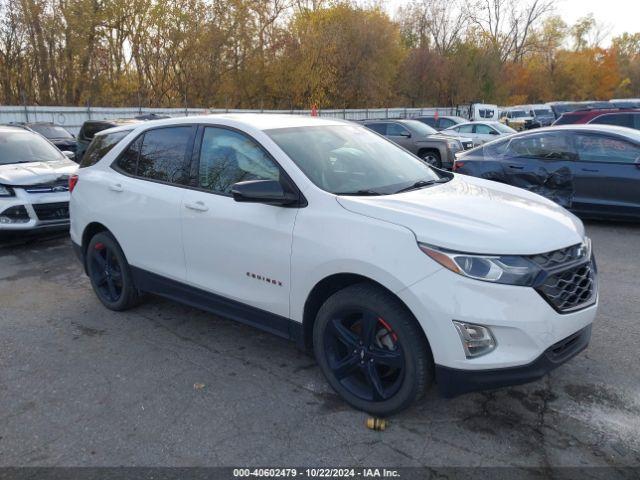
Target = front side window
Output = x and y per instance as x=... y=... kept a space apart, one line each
x=349 y=159
x=228 y=157
x=21 y=146
x=552 y=146
x=164 y=154
x=605 y=149
x=396 y=130
x=484 y=129
x=100 y=146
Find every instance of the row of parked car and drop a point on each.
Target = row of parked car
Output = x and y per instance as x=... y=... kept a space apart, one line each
x=588 y=162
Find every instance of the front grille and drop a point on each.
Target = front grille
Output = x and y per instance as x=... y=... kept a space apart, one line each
x=570 y=289
x=52 y=211
x=60 y=185
x=551 y=260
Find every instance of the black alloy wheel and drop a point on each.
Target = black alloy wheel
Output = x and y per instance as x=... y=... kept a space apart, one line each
x=109 y=273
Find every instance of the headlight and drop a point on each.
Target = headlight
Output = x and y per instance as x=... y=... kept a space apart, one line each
x=454 y=145
x=507 y=269
x=6 y=191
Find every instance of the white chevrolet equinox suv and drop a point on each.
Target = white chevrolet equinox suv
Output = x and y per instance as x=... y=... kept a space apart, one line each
x=396 y=275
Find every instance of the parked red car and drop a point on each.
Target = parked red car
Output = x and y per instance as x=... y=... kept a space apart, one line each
x=622 y=117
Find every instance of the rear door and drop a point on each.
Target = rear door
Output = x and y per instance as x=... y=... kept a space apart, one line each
x=608 y=175
x=142 y=204
x=543 y=163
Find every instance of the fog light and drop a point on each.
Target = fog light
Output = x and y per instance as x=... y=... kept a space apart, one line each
x=476 y=339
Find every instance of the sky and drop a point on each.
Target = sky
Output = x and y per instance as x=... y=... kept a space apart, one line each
x=619 y=15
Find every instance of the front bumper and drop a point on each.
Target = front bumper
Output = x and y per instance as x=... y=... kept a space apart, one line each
x=45 y=211
x=524 y=325
x=453 y=382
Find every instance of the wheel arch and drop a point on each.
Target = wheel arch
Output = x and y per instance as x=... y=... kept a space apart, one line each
x=331 y=284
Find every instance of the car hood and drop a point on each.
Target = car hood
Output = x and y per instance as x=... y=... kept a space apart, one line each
x=473 y=215
x=36 y=172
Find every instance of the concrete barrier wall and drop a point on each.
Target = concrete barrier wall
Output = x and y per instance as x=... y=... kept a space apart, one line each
x=72 y=118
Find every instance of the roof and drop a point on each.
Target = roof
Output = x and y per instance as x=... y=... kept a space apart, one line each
x=11 y=128
x=629 y=133
x=259 y=121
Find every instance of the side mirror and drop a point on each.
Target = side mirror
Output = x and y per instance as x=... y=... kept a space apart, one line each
x=405 y=135
x=269 y=192
x=494 y=132
x=69 y=155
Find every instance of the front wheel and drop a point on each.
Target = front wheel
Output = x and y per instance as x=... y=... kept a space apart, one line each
x=371 y=350
x=432 y=158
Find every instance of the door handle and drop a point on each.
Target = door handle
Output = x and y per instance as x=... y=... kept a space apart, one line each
x=116 y=187
x=197 y=206
x=516 y=167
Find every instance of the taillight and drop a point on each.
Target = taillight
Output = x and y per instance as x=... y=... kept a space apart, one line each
x=73 y=180
x=457 y=165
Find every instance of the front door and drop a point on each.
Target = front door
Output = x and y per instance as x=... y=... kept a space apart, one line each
x=607 y=175
x=240 y=251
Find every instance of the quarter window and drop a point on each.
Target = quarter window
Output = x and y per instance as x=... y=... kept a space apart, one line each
x=100 y=146
x=228 y=157
x=164 y=154
x=600 y=148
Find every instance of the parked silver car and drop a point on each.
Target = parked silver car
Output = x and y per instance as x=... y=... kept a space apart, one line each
x=480 y=132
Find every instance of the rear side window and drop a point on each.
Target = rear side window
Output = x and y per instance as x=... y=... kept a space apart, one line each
x=603 y=149
x=495 y=149
x=100 y=146
x=465 y=129
x=164 y=154
x=619 y=119
x=380 y=128
x=128 y=160
x=429 y=121
x=446 y=123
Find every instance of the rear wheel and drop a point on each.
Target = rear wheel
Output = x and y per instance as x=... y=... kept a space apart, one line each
x=372 y=350
x=432 y=157
x=109 y=273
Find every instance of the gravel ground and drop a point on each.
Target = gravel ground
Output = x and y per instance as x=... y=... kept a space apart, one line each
x=168 y=385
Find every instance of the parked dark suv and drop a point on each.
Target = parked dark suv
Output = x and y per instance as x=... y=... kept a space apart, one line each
x=593 y=170
x=622 y=117
x=91 y=127
x=433 y=147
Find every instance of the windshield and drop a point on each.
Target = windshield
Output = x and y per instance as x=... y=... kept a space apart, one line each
x=518 y=113
x=543 y=113
x=23 y=146
x=350 y=159
x=502 y=128
x=420 y=128
x=51 y=131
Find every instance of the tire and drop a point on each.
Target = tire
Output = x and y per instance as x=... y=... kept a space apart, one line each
x=432 y=157
x=110 y=274
x=371 y=350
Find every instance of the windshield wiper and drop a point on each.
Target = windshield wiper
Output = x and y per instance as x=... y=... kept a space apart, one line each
x=422 y=184
x=363 y=193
